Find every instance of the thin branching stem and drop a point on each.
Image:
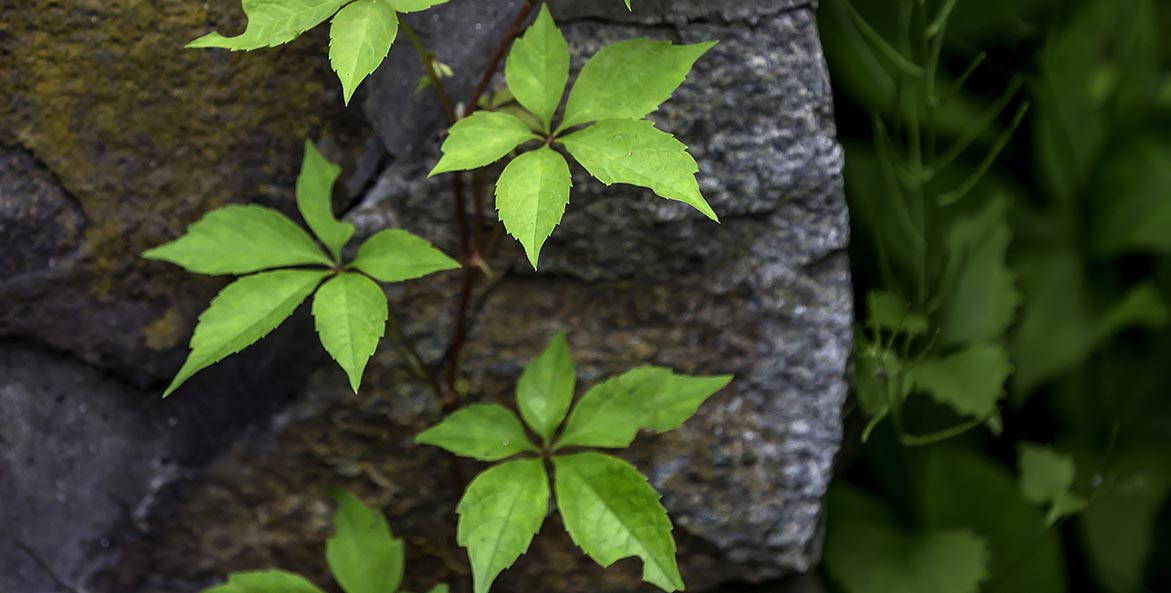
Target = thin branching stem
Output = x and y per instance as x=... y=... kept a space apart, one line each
x=430 y=71
x=501 y=51
x=472 y=256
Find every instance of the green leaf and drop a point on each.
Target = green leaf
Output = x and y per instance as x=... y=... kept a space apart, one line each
x=481 y=139
x=865 y=552
x=415 y=5
x=395 y=255
x=531 y=196
x=981 y=304
x=545 y=389
x=970 y=381
x=363 y=555
x=611 y=413
x=629 y=79
x=440 y=588
x=1090 y=68
x=242 y=313
x=350 y=312
x=635 y=152
x=1047 y=478
x=1045 y=473
x=273 y=22
x=479 y=431
x=501 y=511
x=964 y=491
x=360 y=36
x=241 y=240
x=314 y=190
x=1121 y=530
x=890 y=312
x=1061 y=323
x=265 y=581
x=1135 y=209
x=537 y=69
x=628 y=6
x=611 y=512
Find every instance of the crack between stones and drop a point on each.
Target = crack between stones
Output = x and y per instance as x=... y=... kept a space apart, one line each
x=44 y=566
x=54 y=176
x=33 y=343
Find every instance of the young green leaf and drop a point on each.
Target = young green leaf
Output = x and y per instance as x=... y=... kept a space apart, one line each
x=272 y=22
x=537 y=69
x=981 y=304
x=1137 y=214
x=241 y=240
x=480 y=140
x=970 y=381
x=479 y=431
x=360 y=36
x=415 y=5
x=1047 y=478
x=545 y=389
x=531 y=196
x=350 y=312
x=314 y=188
x=501 y=511
x=363 y=555
x=1045 y=473
x=629 y=79
x=611 y=413
x=395 y=255
x=628 y=6
x=635 y=152
x=265 y=581
x=611 y=512
x=242 y=313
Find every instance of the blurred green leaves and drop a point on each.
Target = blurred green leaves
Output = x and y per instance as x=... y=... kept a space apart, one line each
x=1008 y=172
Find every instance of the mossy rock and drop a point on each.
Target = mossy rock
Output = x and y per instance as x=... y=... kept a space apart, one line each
x=107 y=110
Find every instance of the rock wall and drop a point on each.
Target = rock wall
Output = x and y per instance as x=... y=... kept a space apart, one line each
x=633 y=278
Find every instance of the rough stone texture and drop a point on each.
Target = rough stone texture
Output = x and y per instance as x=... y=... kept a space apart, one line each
x=635 y=279
x=113 y=138
x=83 y=454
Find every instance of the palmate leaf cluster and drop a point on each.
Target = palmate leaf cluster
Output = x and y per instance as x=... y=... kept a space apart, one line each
x=621 y=85
x=608 y=508
x=286 y=266
x=363 y=556
x=361 y=32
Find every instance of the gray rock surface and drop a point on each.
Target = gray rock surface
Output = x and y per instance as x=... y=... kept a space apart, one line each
x=74 y=455
x=634 y=279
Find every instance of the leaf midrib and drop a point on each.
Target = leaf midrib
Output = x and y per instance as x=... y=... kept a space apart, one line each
x=630 y=536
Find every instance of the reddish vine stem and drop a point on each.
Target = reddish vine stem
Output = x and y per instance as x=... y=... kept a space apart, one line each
x=472 y=256
x=494 y=65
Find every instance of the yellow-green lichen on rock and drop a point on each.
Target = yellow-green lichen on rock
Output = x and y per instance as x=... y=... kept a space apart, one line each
x=146 y=136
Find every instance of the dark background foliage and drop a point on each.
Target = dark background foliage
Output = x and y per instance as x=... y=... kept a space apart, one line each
x=1008 y=173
